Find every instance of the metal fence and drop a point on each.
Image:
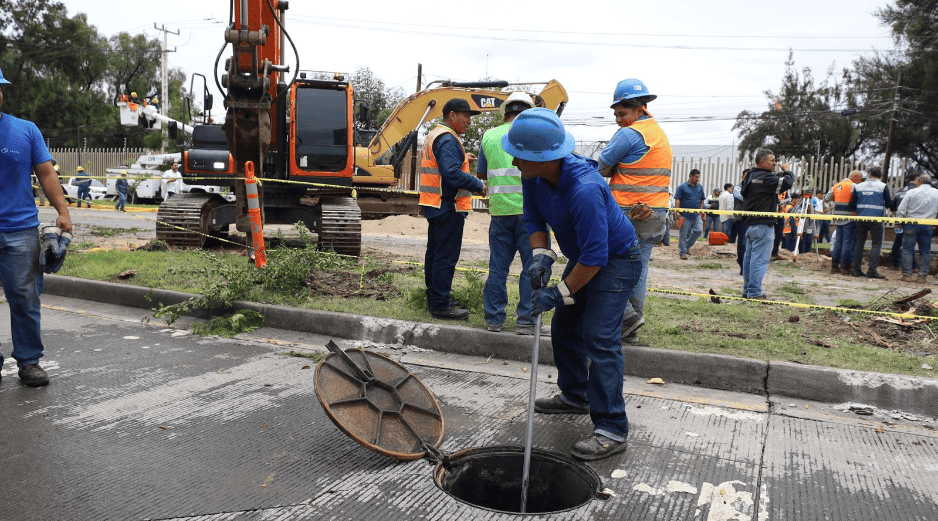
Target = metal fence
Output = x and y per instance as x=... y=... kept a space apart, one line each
x=810 y=174
x=94 y=161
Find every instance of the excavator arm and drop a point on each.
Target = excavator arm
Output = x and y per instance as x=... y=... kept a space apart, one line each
x=427 y=105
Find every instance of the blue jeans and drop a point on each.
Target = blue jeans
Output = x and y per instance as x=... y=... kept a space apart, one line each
x=779 y=236
x=713 y=224
x=636 y=305
x=759 y=239
x=690 y=232
x=807 y=241
x=587 y=346
x=22 y=285
x=84 y=192
x=844 y=239
x=824 y=232
x=121 y=201
x=741 y=244
x=507 y=234
x=913 y=234
x=444 y=242
x=726 y=227
x=897 y=246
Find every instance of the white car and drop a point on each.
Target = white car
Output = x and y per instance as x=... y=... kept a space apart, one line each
x=97 y=190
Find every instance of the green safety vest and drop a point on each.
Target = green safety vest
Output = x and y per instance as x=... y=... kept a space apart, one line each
x=504 y=180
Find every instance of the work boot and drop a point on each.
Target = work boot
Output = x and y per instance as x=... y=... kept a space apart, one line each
x=873 y=274
x=684 y=256
x=921 y=279
x=597 y=447
x=495 y=328
x=906 y=278
x=557 y=405
x=33 y=376
x=528 y=329
x=450 y=313
x=835 y=268
x=631 y=325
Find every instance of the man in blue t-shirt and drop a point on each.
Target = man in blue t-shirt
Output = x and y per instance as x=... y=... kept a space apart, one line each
x=689 y=195
x=22 y=153
x=565 y=192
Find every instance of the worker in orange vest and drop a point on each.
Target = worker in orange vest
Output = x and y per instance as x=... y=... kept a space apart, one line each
x=445 y=186
x=638 y=161
x=845 y=232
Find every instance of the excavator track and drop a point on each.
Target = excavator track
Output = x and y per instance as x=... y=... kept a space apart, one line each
x=378 y=205
x=183 y=221
x=341 y=226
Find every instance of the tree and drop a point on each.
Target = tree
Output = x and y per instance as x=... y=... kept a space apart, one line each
x=801 y=119
x=380 y=98
x=61 y=67
x=914 y=25
x=53 y=61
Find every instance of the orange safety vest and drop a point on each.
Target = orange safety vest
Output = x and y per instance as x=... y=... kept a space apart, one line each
x=788 y=221
x=842 y=192
x=431 y=189
x=646 y=180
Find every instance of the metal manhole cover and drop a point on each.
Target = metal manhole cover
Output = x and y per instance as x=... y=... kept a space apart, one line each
x=379 y=403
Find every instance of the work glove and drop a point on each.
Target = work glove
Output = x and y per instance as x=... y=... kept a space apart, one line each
x=640 y=212
x=50 y=242
x=539 y=270
x=64 y=239
x=546 y=299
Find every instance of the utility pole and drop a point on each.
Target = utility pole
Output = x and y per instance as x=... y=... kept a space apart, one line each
x=164 y=71
x=413 y=149
x=892 y=130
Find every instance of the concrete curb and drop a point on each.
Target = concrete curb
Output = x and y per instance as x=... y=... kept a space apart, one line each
x=886 y=391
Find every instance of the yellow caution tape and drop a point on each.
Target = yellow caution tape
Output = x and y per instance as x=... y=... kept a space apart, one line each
x=790 y=304
x=816 y=216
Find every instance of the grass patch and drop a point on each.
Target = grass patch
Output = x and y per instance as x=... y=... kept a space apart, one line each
x=312 y=356
x=795 y=292
x=100 y=231
x=710 y=266
x=388 y=290
x=765 y=332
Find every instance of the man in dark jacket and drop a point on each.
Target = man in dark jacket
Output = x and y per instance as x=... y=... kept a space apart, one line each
x=760 y=191
x=870 y=199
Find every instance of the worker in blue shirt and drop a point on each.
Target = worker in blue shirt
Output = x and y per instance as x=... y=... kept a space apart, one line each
x=565 y=191
x=689 y=195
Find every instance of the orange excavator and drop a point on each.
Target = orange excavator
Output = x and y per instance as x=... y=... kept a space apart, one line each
x=299 y=133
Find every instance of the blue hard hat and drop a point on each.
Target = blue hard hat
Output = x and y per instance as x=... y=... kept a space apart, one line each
x=538 y=135
x=2 y=79
x=630 y=89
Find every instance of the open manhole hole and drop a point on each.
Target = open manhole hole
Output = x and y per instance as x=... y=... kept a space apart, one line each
x=381 y=405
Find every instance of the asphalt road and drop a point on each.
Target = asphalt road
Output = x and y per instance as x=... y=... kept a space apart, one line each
x=143 y=421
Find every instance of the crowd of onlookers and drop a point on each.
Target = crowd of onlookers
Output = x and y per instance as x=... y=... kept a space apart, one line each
x=862 y=194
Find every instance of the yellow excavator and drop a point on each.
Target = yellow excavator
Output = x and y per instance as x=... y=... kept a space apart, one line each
x=400 y=131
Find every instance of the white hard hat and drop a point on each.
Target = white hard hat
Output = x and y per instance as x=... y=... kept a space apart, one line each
x=516 y=97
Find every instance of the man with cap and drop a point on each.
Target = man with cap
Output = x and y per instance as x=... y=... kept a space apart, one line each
x=122 y=187
x=508 y=234
x=23 y=154
x=869 y=199
x=638 y=159
x=445 y=186
x=84 y=186
x=565 y=192
x=172 y=182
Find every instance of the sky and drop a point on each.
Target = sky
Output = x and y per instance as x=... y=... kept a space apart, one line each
x=706 y=61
